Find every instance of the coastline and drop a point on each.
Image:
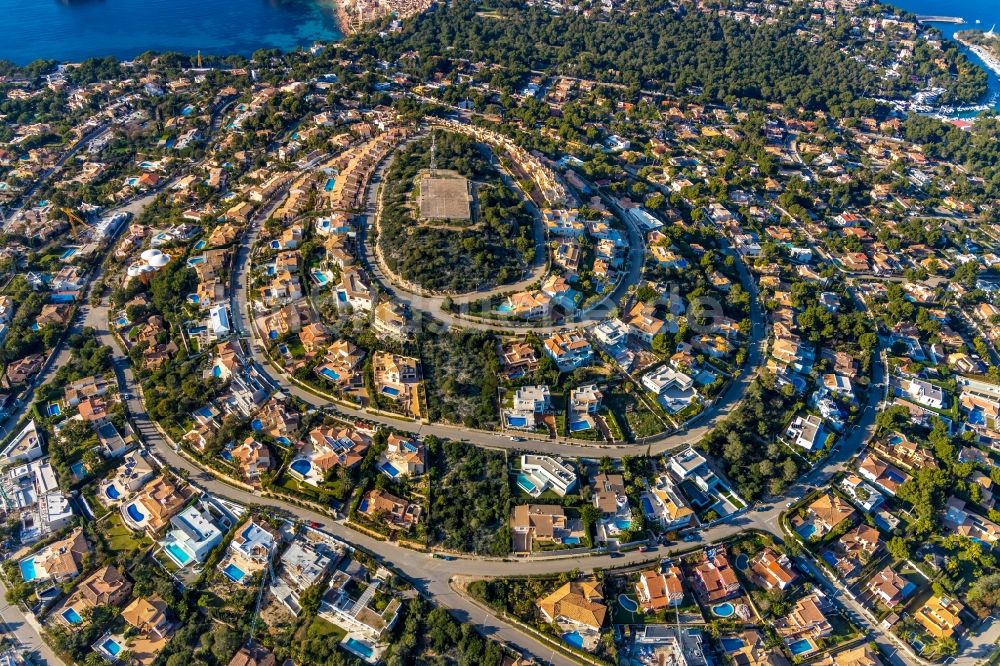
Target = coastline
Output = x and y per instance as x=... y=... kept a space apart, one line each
x=344 y=18
x=991 y=61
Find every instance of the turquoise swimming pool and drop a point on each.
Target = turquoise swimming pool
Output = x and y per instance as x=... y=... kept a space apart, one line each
x=359 y=648
x=723 y=610
x=133 y=512
x=112 y=647
x=524 y=482
x=801 y=646
x=234 y=573
x=27 y=566
x=628 y=603
x=178 y=554
x=301 y=466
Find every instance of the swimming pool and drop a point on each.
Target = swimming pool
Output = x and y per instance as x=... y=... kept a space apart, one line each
x=112 y=647
x=895 y=440
x=524 y=482
x=70 y=251
x=742 y=561
x=647 y=506
x=330 y=374
x=194 y=299
x=730 y=644
x=806 y=531
x=194 y=261
x=801 y=646
x=177 y=553
x=71 y=616
x=574 y=638
x=342 y=296
x=623 y=523
x=505 y=308
x=275 y=245
x=723 y=610
x=27 y=567
x=200 y=245
x=301 y=466
x=389 y=390
x=133 y=512
x=216 y=370
x=627 y=603
x=234 y=573
x=256 y=424
x=578 y=426
x=54 y=409
x=112 y=492
x=389 y=470
x=321 y=278
x=330 y=183
x=359 y=648
x=517 y=421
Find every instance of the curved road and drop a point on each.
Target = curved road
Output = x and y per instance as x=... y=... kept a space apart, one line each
x=724 y=404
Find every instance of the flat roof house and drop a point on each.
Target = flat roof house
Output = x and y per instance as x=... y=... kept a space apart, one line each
x=548 y=472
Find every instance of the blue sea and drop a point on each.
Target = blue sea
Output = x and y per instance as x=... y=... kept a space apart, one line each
x=987 y=12
x=72 y=30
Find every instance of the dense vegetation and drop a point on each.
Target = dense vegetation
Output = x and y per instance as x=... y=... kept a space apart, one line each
x=462 y=370
x=470 y=498
x=977 y=149
x=442 y=257
x=655 y=48
x=746 y=443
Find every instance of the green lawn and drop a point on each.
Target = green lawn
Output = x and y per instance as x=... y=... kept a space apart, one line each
x=120 y=537
x=320 y=628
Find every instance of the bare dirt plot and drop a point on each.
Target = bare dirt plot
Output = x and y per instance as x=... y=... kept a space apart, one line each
x=445 y=195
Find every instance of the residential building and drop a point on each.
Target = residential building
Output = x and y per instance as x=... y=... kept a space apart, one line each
x=807 y=432
x=302 y=565
x=105 y=587
x=806 y=621
x=61 y=560
x=576 y=603
x=253 y=457
x=884 y=475
x=569 y=350
x=940 y=616
x=772 y=570
x=25 y=446
x=889 y=587
x=829 y=510
x=379 y=505
x=403 y=456
x=657 y=589
x=608 y=492
x=545 y=473
x=715 y=577
x=195 y=533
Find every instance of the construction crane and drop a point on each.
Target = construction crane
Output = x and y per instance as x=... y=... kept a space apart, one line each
x=74 y=221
